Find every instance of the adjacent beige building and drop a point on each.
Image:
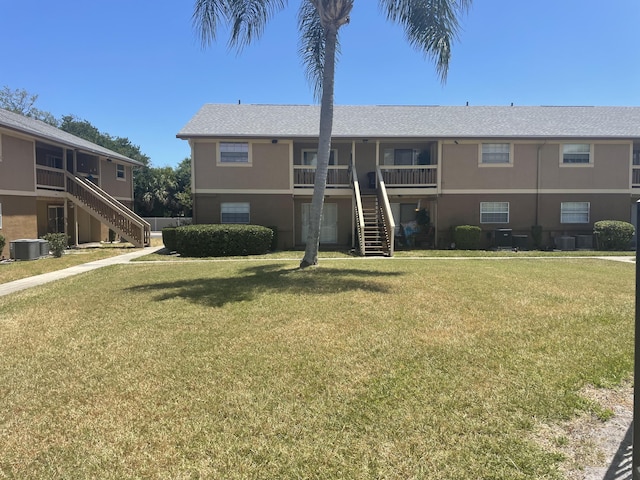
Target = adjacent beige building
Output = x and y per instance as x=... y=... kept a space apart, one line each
x=504 y=169
x=54 y=182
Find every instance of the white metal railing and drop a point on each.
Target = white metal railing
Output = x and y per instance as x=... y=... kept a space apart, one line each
x=359 y=216
x=409 y=175
x=390 y=225
x=305 y=176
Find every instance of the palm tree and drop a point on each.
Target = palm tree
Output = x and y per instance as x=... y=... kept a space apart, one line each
x=430 y=26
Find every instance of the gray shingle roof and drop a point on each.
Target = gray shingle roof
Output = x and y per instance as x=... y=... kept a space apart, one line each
x=44 y=131
x=415 y=121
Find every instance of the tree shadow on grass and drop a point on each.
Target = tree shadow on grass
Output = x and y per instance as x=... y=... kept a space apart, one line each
x=276 y=278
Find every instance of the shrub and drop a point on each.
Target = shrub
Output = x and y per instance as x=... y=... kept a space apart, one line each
x=169 y=238
x=467 y=237
x=3 y=242
x=222 y=240
x=274 y=240
x=613 y=234
x=57 y=243
x=112 y=236
x=536 y=235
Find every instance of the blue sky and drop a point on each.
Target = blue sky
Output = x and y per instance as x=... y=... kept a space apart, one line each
x=136 y=69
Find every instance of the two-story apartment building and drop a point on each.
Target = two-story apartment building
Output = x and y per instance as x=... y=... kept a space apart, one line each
x=54 y=182
x=501 y=168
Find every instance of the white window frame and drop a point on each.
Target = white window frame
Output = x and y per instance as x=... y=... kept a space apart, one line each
x=235 y=208
x=123 y=177
x=563 y=163
x=223 y=163
x=570 y=212
x=0 y=216
x=494 y=208
x=315 y=151
x=485 y=147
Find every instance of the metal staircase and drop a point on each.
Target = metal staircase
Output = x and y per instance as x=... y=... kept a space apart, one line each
x=108 y=210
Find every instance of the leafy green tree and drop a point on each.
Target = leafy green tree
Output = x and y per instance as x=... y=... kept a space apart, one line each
x=157 y=191
x=84 y=129
x=22 y=102
x=430 y=26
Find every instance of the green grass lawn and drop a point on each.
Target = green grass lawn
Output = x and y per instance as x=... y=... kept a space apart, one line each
x=368 y=369
x=16 y=270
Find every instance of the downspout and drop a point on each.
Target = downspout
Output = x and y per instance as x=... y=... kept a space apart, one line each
x=538 y=180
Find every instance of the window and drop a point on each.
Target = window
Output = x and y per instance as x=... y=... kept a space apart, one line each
x=636 y=156
x=234 y=152
x=494 y=212
x=52 y=161
x=576 y=154
x=0 y=215
x=400 y=156
x=310 y=157
x=120 y=172
x=234 y=212
x=55 y=219
x=496 y=153
x=574 y=212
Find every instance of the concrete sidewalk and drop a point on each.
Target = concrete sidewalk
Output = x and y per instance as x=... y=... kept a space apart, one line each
x=24 y=283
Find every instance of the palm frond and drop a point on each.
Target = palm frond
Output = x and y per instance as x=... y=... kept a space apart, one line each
x=431 y=26
x=312 y=38
x=249 y=17
x=311 y=45
x=205 y=18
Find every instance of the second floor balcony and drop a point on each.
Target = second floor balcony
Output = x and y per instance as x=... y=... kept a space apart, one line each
x=394 y=176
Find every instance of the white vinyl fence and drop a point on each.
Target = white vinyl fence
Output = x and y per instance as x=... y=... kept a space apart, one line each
x=158 y=223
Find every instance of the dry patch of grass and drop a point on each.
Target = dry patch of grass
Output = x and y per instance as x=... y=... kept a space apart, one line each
x=364 y=369
x=11 y=271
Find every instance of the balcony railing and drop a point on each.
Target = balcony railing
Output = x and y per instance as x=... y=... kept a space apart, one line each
x=50 y=178
x=337 y=176
x=409 y=175
x=635 y=177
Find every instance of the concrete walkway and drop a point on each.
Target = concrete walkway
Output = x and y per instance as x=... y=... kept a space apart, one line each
x=24 y=283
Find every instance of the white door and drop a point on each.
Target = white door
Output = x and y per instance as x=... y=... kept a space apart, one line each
x=329 y=227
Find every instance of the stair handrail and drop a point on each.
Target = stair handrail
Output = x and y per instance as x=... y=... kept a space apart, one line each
x=386 y=208
x=356 y=191
x=103 y=196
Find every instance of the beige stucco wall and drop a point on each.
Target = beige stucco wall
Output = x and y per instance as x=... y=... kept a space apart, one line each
x=610 y=168
x=266 y=210
x=110 y=183
x=461 y=169
x=269 y=168
x=18 y=219
x=17 y=165
x=455 y=210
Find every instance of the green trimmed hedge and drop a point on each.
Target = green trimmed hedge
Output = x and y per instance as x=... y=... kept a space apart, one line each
x=613 y=234
x=169 y=238
x=222 y=240
x=3 y=242
x=467 y=237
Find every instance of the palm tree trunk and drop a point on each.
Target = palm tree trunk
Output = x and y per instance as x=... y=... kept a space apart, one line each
x=324 y=149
